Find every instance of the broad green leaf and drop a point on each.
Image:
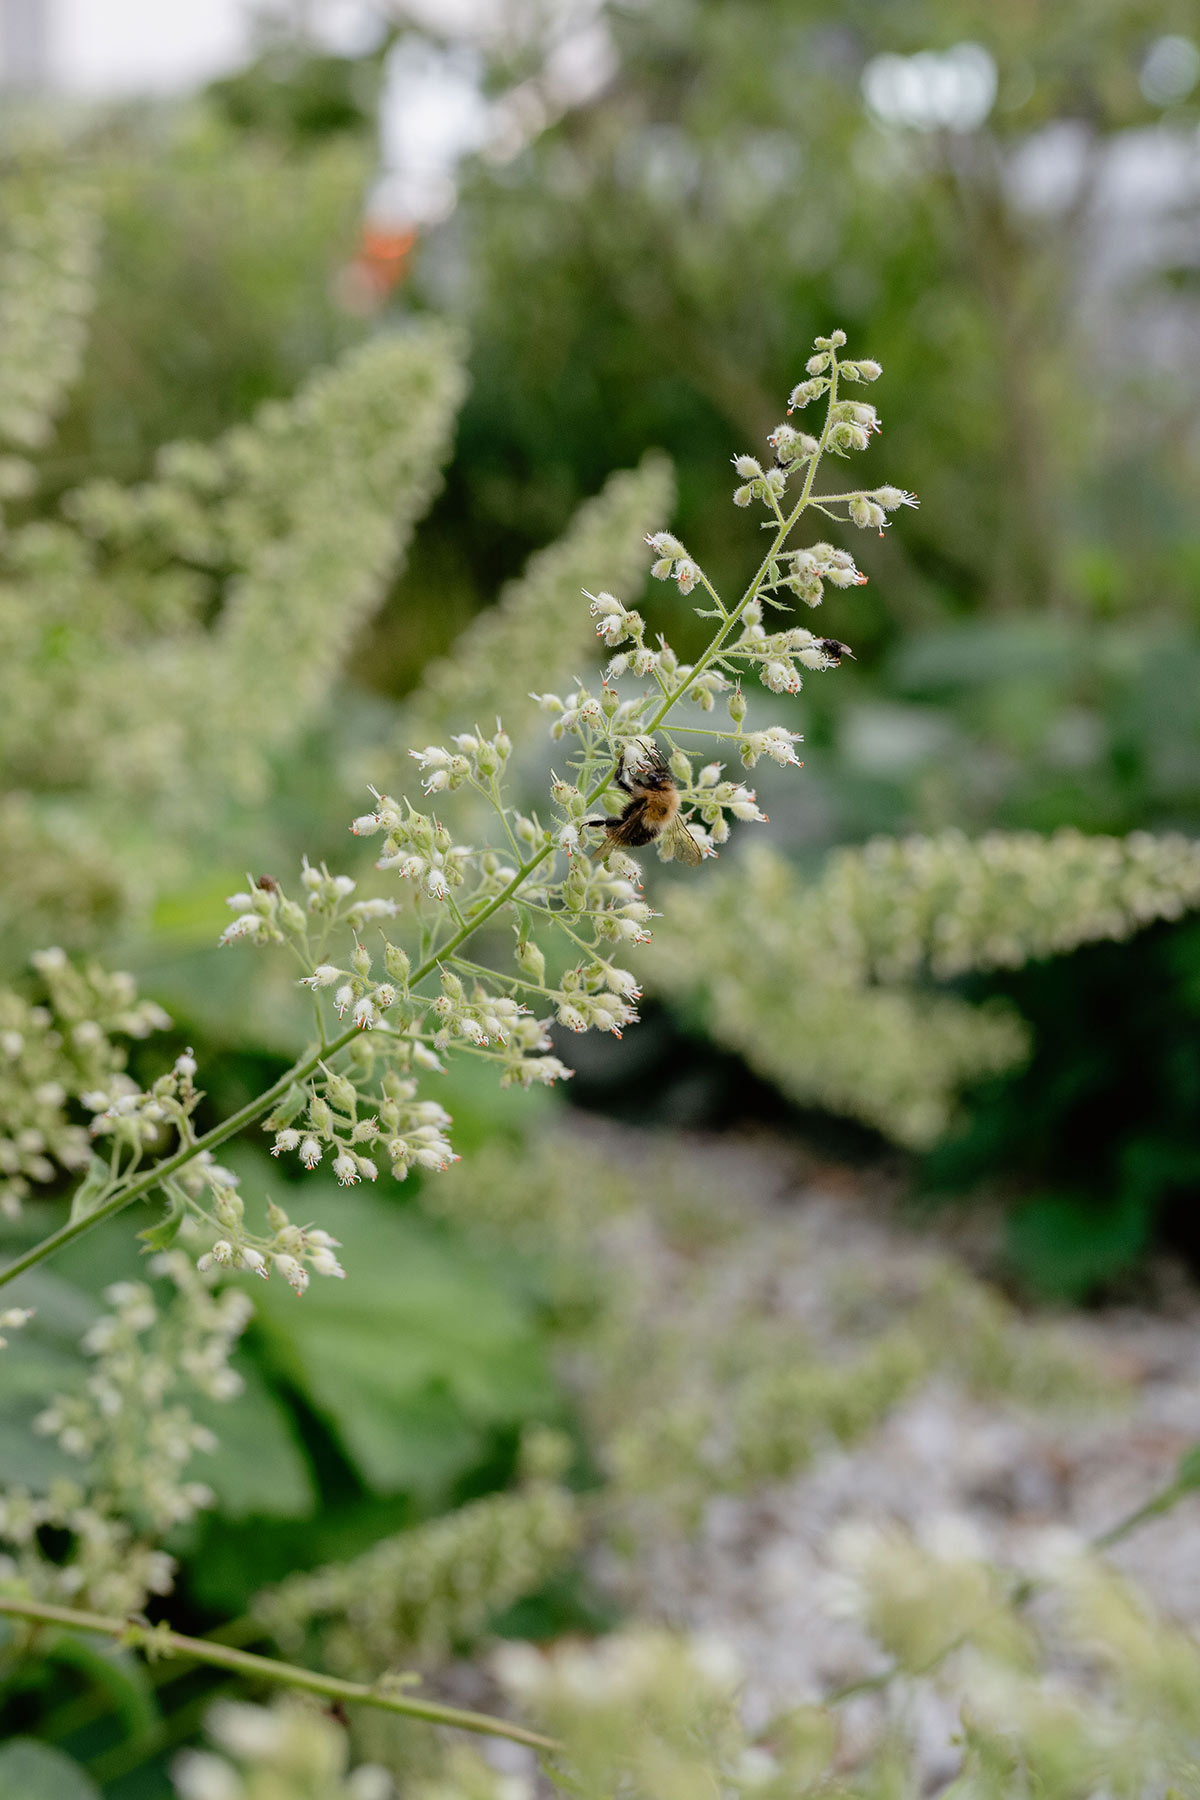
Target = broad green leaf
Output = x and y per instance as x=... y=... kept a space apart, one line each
x=33 y=1771
x=258 y=1468
x=1065 y=1244
x=416 y=1355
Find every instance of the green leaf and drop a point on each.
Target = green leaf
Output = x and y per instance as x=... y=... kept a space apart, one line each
x=123 y=1677
x=1067 y=1244
x=416 y=1357
x=163 y=1235
x=42 y=1360
x=33 y=1771
x=1187 y=1472
x=258 y=1468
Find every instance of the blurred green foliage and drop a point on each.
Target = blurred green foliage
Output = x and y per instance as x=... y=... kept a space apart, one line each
x=643 y=273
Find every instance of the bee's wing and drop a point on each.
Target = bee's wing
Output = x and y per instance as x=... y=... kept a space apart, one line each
x=677 y=842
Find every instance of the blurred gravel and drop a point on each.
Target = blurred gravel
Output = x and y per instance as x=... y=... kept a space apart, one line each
x=756 y=1571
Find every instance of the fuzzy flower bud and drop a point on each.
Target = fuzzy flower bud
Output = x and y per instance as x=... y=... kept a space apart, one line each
x=345 y=1167
x=803 y=392
x=866 y=512
x=293 y=1272
x=324 y=1262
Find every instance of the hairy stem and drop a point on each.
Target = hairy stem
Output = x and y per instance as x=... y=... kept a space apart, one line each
x=158 y=1641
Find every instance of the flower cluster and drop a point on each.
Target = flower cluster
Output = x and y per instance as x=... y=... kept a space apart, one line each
x=221 y=629
x=130 y=1424
x=286 y=1751
x=59 y=1053
x=291 y=1250
x=327 y=1119
x=387 y=1012
x=420 y=1592
x=640 y=1712
x=817 y=983
x=46 y=289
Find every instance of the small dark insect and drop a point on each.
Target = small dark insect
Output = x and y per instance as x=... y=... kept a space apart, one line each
x=835 y=650
x=268 y=884
x=652 y=812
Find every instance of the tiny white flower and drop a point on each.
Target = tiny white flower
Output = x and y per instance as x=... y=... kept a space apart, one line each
x=324 y=1262
x=293 y=1272
x=324 y=975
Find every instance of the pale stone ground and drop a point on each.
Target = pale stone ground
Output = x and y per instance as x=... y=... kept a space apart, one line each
x=756 y=1571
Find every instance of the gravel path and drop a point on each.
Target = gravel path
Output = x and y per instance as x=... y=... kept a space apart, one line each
x=755 y=1571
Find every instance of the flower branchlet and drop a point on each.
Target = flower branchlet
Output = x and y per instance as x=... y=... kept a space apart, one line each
x=396 y=982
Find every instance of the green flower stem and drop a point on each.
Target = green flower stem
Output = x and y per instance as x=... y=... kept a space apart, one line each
x=145 y=1184
x=254 y=1109
x=158 y=1641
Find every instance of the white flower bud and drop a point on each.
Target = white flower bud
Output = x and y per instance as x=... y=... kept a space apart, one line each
x=324 y=975
x=324 y=1262
x=310 y=1153
x=293 y=1272
x=248 y=925
x=345 y=1167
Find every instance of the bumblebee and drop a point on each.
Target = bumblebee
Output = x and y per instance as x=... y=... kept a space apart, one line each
x=835 y=650
x=652 y=812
